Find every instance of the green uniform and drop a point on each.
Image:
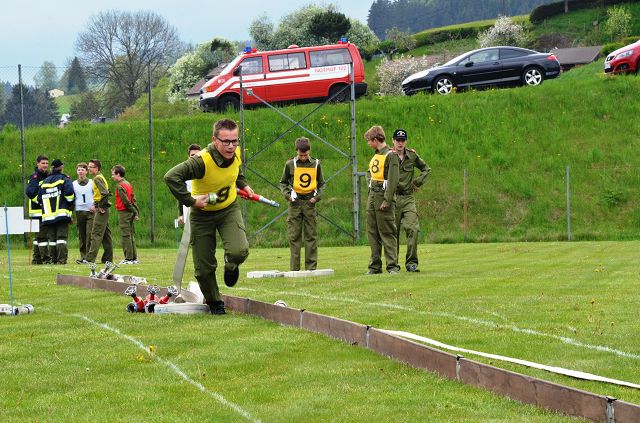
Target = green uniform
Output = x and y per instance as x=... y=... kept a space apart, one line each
x=406 y=212
x=381 y=225
x=302 y=181
x=100 y=232
x=225 y=217
x=127 y=213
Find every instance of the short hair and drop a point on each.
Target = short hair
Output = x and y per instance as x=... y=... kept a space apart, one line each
x=82 y=165
x=227 y=124
x=375 y=133
x=194 y=147
x=303 y=145
x=97 y=163
x=41 y=158
x=118 y=170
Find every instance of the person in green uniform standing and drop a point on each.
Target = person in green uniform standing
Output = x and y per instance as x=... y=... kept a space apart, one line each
x=383 y=176
x=128 y=213
x=301 y=184
x=100 y=232
x=215 y=173
x=406 y=211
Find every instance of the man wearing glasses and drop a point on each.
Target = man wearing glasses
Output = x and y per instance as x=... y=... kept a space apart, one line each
x=215 y=174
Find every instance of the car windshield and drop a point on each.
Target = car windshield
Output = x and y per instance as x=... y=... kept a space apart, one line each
x=455 y=59
x=230 y=66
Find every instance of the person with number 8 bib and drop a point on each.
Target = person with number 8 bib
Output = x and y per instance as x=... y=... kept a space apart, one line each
x=302 y=184
x=215 y=172
x=383 y=175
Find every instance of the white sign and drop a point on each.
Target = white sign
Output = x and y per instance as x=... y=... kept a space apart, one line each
x=17 y=223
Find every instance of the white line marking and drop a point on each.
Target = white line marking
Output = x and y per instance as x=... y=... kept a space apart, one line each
x=170 y=365
x=478 y=322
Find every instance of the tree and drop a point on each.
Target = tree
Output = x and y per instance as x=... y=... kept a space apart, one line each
x=261 y=31
x=47 y=77
x=76 y=81
x=86 y=107
x=504 y=32
x=618 y=23
x=118 y=46
x=39 y=108
x=329 y=24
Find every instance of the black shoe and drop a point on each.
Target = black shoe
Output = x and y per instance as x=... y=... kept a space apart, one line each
x=231 y=276
x=217 y=307
x=373 y=272
x=412 y=268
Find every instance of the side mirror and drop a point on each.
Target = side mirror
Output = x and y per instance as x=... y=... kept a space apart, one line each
x=237 y=71
x=468 y=64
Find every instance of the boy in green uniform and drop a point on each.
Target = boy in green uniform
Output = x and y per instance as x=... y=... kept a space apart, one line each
x=381 y=218
x=100 y=232
x=406 y=212
x=301 y=184
x=128 y=213
x=215 y=173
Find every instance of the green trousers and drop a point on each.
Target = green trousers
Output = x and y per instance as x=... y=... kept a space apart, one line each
x=128 y=234
x=84 y=221
x=41 y=247
x=382 y=232
x=301 y=225
x=407 y=217
x=57 y=235
x=100 y=235
x=204 y=225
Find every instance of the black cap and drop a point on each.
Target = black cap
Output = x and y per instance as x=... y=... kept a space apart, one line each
x=400 y=134
x=57 y=163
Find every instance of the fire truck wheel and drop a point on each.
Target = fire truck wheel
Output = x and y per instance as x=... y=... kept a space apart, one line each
x=227 y=102
x=340 y=98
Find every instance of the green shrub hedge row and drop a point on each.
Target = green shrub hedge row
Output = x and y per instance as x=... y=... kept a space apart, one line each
x=546 y=11
x=456 y=33
x=609 y=47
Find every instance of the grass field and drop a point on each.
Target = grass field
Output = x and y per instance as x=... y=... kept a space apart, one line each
x=81 y=357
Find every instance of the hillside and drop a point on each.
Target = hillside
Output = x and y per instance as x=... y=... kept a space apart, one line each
x=514 y=144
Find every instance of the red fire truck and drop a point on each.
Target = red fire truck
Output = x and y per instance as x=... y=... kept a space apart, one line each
x=292 y=74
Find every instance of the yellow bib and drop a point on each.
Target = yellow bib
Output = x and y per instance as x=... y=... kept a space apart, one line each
x=376 y=167
x=221 y=180
x=305 y=179
x=96 y=192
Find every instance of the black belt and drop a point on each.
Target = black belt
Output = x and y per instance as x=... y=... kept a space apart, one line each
x=377 y=189
x=403 y=193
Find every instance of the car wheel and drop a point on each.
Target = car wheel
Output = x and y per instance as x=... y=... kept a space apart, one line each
x=532 y=76
x=340 y=98
x=637 y=66
x=443 y=85
x=227 y=102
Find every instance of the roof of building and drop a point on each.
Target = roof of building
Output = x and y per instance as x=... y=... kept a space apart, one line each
x=577 y=55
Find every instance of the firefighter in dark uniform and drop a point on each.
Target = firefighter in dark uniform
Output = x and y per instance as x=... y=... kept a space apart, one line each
x=301 y=184
x=56 y=196
x=381 y=217
x=215 y=173
x=41 y=244
x=406 y=212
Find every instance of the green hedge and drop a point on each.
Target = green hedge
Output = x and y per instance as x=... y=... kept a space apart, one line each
x=546 y=11
x=608 y=48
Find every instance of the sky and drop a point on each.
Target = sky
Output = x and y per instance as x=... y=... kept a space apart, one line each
x=34 y=31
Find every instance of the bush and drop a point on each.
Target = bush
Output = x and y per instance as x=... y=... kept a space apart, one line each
x=433 y=37
x=391 y=73
x=608 y=48
x=503 y=33
x=618 y=23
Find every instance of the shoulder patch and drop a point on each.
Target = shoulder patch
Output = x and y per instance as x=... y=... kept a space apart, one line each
x=413 y=150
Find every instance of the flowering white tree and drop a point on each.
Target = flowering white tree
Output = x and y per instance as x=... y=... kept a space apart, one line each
x=391 y=73
x=503 y=33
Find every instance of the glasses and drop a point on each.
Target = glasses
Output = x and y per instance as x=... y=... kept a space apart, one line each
x=228 y=142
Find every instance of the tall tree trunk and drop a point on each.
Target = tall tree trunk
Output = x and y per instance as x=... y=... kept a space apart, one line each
x=566 y=6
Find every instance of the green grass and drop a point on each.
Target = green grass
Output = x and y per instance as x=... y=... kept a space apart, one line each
x=552 y=303
x=64 y=103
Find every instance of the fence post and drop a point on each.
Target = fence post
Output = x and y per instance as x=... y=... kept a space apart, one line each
x=151 y=156
x=568 y=208
x=464 y=222
x=24 y=177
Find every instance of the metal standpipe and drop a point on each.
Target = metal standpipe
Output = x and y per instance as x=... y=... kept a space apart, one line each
x=352 y=157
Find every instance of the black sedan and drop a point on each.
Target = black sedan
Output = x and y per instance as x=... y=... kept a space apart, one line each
x=490 y=66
